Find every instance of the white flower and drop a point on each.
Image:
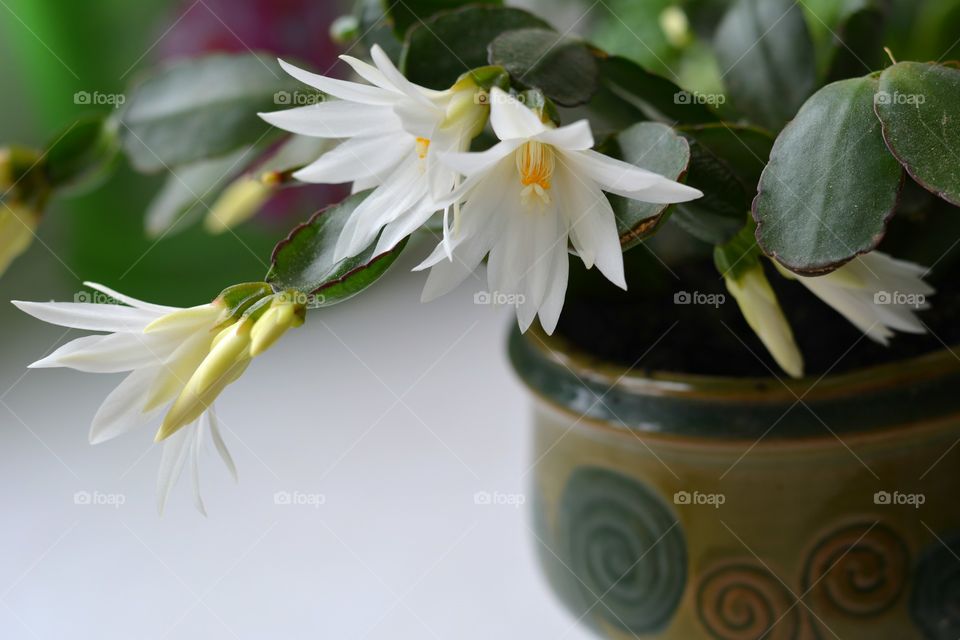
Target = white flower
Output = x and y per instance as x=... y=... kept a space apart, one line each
x=179 y=361
x=18 y=225
x=394 y=130
x=762 y=311
x=526 y=197
x=875 y=292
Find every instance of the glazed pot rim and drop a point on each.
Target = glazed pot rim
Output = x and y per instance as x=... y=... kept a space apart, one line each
x=775 y=389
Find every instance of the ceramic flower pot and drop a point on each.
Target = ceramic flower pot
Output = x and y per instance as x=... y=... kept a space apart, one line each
x=678 y=507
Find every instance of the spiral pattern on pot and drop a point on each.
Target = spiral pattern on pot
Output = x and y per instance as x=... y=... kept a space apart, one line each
x=935 y=602
x=746 y=602
x=859 y=570
x=625 y=547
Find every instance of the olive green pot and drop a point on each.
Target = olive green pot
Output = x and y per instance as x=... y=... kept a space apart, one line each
x=678 y=507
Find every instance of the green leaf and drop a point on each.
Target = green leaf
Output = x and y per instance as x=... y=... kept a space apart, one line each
x=450 y=44
x=84 y=155
x=654 y=147
x=659 y=98
x=563 y=68
x=744 y=149
x=202 y=108
x=606 y=112
x=408 y=13
x=720 y=213
x=919 y=106
x=304 y=260
x=767 y=59
x=859 y=49
x=831 y=185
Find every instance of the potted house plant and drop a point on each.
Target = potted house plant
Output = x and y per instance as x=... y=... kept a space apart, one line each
x=745 y=419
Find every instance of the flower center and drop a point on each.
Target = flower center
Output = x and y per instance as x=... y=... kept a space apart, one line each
x=423 y=147
x=536 y=163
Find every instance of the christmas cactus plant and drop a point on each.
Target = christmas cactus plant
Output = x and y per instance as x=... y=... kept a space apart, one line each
x=786 y=145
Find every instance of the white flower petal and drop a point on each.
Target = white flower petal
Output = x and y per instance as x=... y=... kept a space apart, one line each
x=122 y=411
x=175 y=451
x=91 y=317
x=196 y=448
x=510 y=119
x=374 y=157
x=342 y=89
x=219 y=444
x=481 y=163
x=394 y=77
x=575 y=137
x=556 y=290
x=401 y=191
x=336 y=119
x=411 y=220
x=110 y=353
x=593 y=226
x=621 y=178
x=128 y=300
x=369 y=73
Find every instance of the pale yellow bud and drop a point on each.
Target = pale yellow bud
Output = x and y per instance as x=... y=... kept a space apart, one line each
x=228 y=358
x=676 y=26
x=468 y=109
x=760 y=307
x=276 y=321
x=242 y=200
x=18 y=225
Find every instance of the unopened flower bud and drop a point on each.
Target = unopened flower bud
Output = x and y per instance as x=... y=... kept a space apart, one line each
x=242 y=200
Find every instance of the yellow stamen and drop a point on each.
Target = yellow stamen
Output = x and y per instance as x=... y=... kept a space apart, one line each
x=423 y=147
x=536 y=163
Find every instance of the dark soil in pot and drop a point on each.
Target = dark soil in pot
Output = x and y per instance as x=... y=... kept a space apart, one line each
x=647 y=330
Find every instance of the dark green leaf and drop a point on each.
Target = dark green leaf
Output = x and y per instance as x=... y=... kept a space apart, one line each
x=450 y=44
x=831 y=184
x=202 y=108
x=606 y=112
x=919 y=106
x=409 y=13
x=766 y=59
x=563 y=68
x=84 y=155
x=304 y=261
x=654 y=147
x=720 y=213
x=744 y=149
x=659 y=98
x=859 y=49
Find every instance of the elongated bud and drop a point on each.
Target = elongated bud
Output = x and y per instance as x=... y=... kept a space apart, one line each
x=228 y=357
x=760 y=308
x=282 y=316
x=242 y=200
x=18 y=224
x=676 y=27
x=469 y=106
x=6 y=171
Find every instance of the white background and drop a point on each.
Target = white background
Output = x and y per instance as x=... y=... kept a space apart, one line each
x=396 y=413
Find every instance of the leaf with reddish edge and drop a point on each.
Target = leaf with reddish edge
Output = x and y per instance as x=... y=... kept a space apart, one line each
x=304 y=260
x=831 y=185
x=919 y=108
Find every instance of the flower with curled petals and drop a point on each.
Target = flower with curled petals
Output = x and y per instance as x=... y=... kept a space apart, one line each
x=529 y=197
